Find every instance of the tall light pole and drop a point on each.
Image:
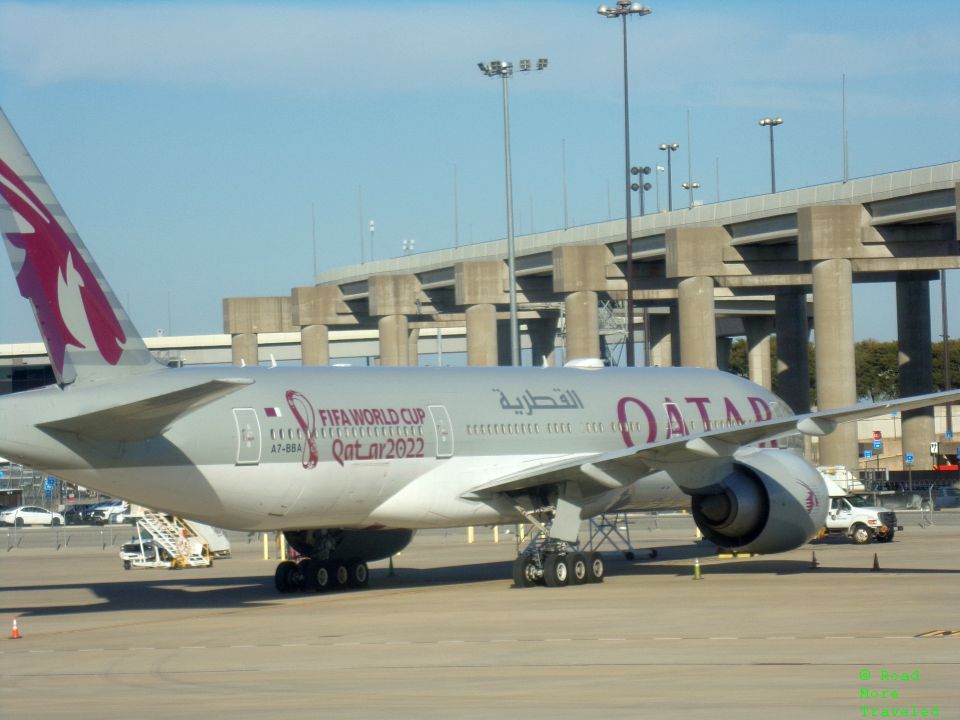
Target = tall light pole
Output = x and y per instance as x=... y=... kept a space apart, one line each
x=772 y=123
x=690 y=187
x=504 y=71
x=946 y=346
x=623 y=9
x=671 y=148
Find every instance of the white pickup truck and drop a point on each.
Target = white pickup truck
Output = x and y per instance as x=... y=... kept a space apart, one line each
x=853 y=517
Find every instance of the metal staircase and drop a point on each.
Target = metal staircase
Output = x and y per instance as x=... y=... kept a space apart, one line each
x=181 y=546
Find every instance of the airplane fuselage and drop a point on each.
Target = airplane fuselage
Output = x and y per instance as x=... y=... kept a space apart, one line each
x=382 y=447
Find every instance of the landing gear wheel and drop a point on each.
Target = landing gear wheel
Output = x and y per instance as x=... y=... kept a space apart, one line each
x=322 y=579
x=556 y=571
x=595 y=568
x=861 y=535
x=578 y=569
x=359 y=574
x=339 y=575
x=316 y=575
x=283 y=578
x=524 y=572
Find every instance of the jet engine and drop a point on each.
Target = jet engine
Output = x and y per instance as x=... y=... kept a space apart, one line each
x=769 y=501
x=357 y=545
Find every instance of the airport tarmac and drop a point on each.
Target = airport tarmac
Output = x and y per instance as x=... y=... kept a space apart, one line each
x=447 y=636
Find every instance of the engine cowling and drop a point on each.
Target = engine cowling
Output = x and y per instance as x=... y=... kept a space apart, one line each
x=341 y=544
x=770 y=501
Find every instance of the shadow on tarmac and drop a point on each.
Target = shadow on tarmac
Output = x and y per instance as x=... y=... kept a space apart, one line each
x=188 y=591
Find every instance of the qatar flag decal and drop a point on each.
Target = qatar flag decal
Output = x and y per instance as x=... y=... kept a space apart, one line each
x=273 y=412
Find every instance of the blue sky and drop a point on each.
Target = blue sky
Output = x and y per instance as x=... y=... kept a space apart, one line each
x=189 y=141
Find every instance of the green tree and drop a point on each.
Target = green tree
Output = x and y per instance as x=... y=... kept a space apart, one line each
x=954 y=364
x=877 y=370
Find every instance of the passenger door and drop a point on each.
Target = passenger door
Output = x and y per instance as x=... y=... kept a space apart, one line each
x=248 y=436
x=443 y=430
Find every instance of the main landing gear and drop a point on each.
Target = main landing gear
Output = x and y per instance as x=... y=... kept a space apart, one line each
x=309 y=575
x=553 y=556
x=557 y=564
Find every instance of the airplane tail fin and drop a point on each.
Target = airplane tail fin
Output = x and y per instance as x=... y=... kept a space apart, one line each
x=87 y=333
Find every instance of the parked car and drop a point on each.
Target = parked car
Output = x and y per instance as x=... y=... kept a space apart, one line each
x=79 y=514
x=30 y=515
x=112 y=511
x=946 y=497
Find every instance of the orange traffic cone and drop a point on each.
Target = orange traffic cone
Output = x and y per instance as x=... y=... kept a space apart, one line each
x=15 y=634
x=876 y=563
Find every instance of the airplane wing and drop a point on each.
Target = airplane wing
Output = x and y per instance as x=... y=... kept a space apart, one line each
x=148 y=417
x=621 y=467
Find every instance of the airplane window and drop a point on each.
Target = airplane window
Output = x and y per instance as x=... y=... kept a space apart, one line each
x=299 y=436
x=569 y=428
x=273 y=434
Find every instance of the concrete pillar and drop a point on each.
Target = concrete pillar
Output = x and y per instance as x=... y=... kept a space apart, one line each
x=698 y=344
x=313 y=310
x=413 y=347
x=315 y=345
x=503 y=344
x=723 y=353
x=836 y=366
x=793 y=363
x=244 y=318
x=543 y=340
x=661 y=344
x=243 y=347
x=916 y=365
x=482 y=335
x=583 y=325
x=758 y=350
x=675 y=334
x=394 y=336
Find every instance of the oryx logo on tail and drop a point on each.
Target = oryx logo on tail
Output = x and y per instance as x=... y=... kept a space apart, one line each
x=54 y=273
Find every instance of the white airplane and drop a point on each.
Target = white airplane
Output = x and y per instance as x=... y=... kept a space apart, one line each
x=349 y=462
